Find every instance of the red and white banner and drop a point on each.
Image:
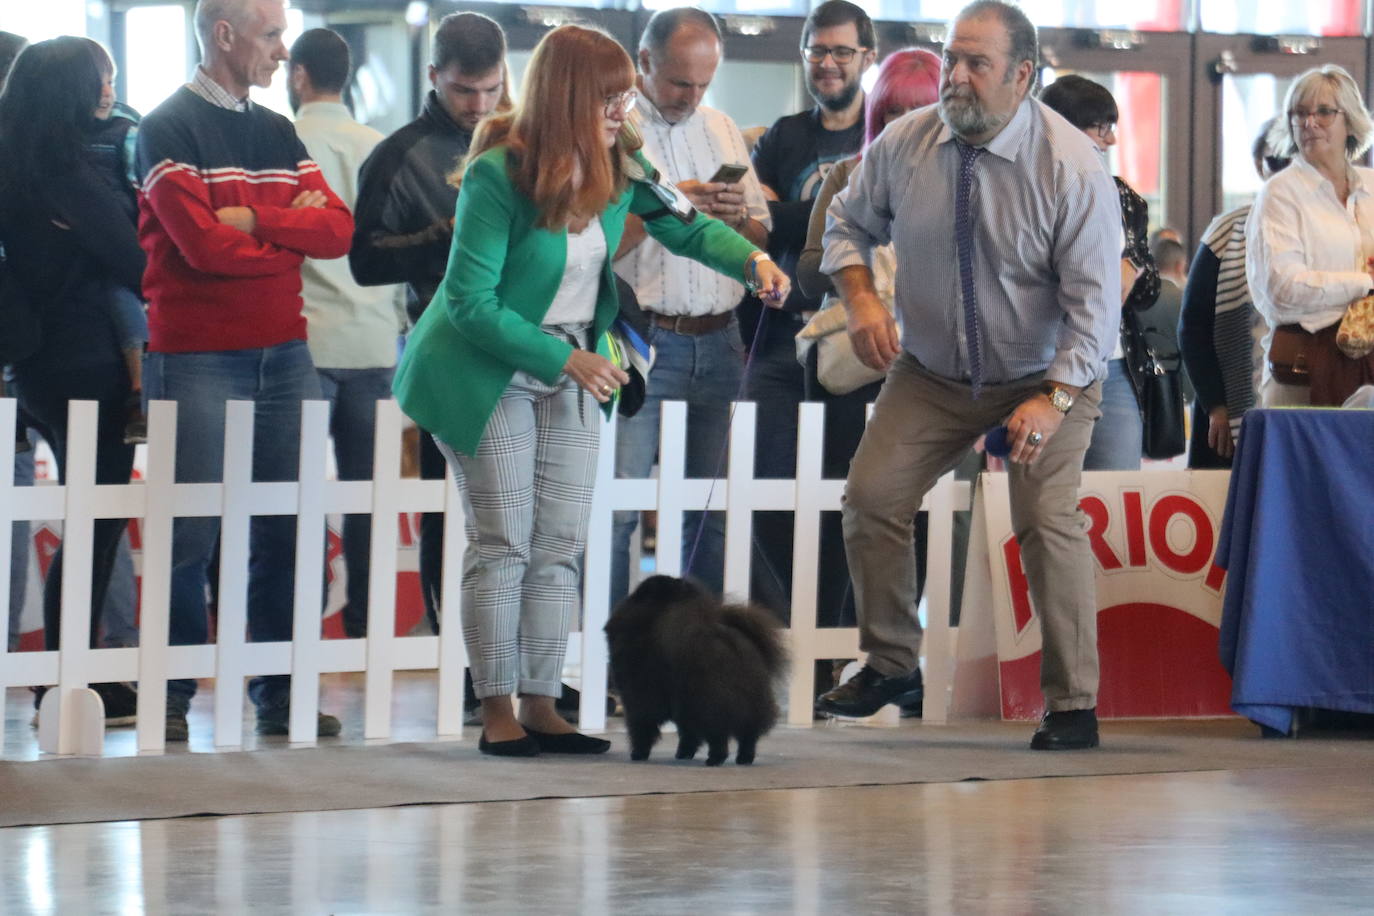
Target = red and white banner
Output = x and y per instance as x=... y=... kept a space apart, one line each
x=1153 y=538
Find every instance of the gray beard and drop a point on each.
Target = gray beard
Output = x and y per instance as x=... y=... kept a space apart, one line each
x=968 y=119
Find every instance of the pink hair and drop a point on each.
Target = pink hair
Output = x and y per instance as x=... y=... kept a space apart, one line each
x=909 y=78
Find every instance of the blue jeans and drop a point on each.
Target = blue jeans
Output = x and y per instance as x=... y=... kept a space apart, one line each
x=353 y=395
x=277 y=379
x=705 y=372
x=1117 y=439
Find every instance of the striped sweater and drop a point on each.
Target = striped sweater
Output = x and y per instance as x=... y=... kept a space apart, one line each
x=210 y=286
x=1217 y=327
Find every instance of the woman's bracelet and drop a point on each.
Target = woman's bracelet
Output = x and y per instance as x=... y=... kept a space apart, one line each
x=751 y=279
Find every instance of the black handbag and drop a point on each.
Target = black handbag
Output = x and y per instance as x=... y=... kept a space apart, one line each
x=1158 y=381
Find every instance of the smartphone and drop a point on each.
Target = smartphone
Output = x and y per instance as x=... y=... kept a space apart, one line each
x=729 y=173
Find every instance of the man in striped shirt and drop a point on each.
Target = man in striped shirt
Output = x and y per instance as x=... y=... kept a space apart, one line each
x=229 y=207
x=689 y=306
x=1006 y=227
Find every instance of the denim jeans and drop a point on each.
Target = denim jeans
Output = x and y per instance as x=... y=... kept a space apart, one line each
x=44 y=392
x=353 y=395
x=277 y=379
x=1117 y=439
x=776 y=383
x=704 y=371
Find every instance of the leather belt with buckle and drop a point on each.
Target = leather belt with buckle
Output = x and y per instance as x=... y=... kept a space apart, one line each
x=691 y=325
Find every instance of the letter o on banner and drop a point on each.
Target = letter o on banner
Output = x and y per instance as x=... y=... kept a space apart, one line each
x=1161 y=514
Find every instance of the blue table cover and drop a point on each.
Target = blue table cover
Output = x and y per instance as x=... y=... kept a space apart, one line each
x=1297 y=541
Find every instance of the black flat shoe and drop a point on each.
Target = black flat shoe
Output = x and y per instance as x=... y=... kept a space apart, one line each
x=516 y=747
x=569 y=743
x=1069 y=730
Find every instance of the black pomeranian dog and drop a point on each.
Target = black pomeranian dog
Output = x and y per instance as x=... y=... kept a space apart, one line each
x=679 y=654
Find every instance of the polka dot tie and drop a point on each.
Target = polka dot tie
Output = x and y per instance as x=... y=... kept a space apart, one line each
x=963 y=234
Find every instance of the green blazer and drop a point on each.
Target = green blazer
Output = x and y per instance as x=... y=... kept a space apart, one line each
x=503 y=272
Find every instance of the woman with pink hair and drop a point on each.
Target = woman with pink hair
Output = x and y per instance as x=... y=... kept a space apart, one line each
x=907 y=79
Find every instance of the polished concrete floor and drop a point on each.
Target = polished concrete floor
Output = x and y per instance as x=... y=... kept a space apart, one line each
x=1282 y=841
x=1252 y=842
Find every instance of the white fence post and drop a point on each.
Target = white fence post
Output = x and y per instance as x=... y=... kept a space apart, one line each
x=8 y=408
x=453 y=654
x=71 y=732
x=231 y=661
x=154 y=625
x=310 y=538
x=381 y=588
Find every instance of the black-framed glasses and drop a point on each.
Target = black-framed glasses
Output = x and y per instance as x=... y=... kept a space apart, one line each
x=1103 y=129
x=621 y=103
x=841 y=54
x=1322 y=114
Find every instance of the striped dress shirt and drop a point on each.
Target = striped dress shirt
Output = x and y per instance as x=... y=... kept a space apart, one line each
x=691 y=149
x=1047 y=245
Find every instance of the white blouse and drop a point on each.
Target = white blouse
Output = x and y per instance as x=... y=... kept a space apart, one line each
x=575 y=301
x=1306 y=253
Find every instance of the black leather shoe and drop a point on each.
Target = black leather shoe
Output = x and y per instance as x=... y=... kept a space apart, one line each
x=516 y=747
x=868 y=691
x=1070 y=730
x=568 y=743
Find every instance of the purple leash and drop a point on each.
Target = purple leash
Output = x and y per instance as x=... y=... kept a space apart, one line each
x=725 y=446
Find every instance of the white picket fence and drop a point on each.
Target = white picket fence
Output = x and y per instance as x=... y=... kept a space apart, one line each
x=71 y=722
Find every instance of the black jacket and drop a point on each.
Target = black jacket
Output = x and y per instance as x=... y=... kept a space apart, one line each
x=402 y=220
x=67 y=242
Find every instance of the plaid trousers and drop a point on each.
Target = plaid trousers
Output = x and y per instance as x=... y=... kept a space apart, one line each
x=527 y=493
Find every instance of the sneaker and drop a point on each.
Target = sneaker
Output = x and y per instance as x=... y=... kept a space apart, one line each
x=120 y=699
x=177 y=731
x=121 y=702
x=135 y=425
x=868 y=691
x=277 y=722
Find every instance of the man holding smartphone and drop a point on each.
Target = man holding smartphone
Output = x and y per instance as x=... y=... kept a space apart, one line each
x=690 y=308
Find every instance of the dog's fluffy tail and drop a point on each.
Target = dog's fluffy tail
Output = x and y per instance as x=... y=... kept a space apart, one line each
x=758 y=627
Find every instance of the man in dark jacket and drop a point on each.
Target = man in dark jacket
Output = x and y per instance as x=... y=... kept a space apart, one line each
x=404 y=216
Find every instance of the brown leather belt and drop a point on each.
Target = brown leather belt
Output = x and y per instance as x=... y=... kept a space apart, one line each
x=691 y=325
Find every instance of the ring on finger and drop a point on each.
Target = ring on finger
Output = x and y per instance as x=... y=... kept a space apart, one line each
x=1035 y=438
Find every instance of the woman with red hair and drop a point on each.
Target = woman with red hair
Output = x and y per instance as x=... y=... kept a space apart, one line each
x=503 y=367
x=907 y=79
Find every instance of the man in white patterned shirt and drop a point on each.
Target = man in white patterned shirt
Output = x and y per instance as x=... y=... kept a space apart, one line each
x=690 y=308
x=1006 y=229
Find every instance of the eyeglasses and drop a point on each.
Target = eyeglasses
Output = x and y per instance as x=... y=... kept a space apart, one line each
x=622 y=103
x=1103 y=130
x=1322 y=114
x=841 y=54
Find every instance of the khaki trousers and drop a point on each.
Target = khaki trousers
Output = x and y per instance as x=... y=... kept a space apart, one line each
x=922 y=426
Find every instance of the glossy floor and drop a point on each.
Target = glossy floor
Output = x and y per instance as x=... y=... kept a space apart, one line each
x=1270 y=841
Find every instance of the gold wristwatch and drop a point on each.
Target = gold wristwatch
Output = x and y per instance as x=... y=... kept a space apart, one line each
x=1059 y=396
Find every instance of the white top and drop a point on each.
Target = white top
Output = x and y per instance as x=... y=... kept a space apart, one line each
x=348 y=326
x=691 y=149
x=1306 y=252
x=575 y=301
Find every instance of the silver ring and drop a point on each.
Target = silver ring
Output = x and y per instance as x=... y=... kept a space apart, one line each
x=1035 y=439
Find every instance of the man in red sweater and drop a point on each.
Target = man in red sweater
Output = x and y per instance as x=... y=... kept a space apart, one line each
x=229 y=207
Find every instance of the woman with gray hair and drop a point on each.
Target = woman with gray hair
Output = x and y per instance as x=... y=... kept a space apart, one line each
x=1311 y=241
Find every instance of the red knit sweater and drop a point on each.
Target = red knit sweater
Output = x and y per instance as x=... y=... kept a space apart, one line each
x=210 y=286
